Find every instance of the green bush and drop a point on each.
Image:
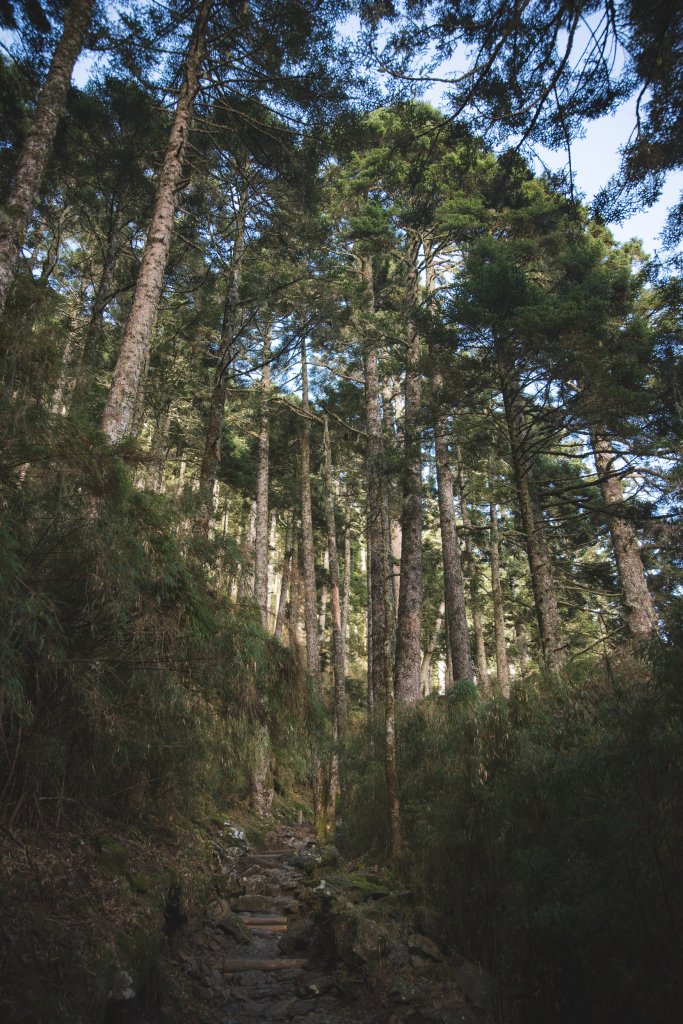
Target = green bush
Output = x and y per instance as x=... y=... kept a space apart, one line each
x=548 y=833
x=129 y=680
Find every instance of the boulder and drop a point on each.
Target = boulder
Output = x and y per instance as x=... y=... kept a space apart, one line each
x=424 y=946
x=297 y=938
x=480 y=987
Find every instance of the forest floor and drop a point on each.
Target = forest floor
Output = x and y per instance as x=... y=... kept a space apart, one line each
x=171 y=923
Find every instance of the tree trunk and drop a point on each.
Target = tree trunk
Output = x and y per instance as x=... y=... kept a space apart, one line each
x=261 y=771
x=324 y=596
x=118 y=411
x=101 y=300
x=35 y=153
x=390 y=751
x=335 y=600
x=502 y=667
x=262 y=477
x=159 y=450
x=211 y=458
x=377 y=561
x=522 y=646
x=286 y=575
x=538 y=554
x=346 y=599
x=408 y=626
x=454 y=587
x=639 y=612
x=246 y=585
x=426 y=666
x=310 y=596
x=477 y=620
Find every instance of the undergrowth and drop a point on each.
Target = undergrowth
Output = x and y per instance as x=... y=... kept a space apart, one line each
x=129 y=680
x=547 y=833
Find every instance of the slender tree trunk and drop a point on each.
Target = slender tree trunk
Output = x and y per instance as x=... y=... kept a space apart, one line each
x=454 y=587
x=118 y=411
x=377 y=560
x=522 y=646
x=372 y=693
x=101 y=300
x=346 y=598
x=262 y=478
x=339 y=716
x=477 y=620
x=335 y=599
x=324 y=596
x=310 y=596
x=308 y=553
x=449 y=678
x=211 y=458
x=159 y=450
x=18 y=209
x=261 y=772
x=409 y=623
x=246 y=585
x=502 y=667
x=294 y=608
x=426 y=666
x=540 y=565
x=390 y=418
x=286 y=574
x=639 y=612
x=390 y=751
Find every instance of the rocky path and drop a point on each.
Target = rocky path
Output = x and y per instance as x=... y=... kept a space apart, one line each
x=251 y=957
x=265 y=953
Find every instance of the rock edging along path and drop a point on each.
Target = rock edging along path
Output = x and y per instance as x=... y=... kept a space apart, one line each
x=272 y=949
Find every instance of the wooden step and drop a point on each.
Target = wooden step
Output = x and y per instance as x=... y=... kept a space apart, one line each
x=267 y=927
x=262 y=919
x=266 y=859
x=281 y=964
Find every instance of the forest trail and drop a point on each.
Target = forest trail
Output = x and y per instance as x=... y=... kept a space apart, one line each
x=264 y=954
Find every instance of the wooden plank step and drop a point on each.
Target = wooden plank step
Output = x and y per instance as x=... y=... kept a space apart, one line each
x=252 y=919
x=281 y=964
x=265 y=859
x=267 y=927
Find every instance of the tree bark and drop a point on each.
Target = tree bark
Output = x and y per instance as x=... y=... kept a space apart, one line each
x=286 y=575
x=538 y=553
x=310 y=595
x=118 y=411
x=502 y=667
x=324 y=596
x=262 y=478
x=454 y=587
x=211 y=457
x=18 y=209
x=261 y=772
x=639 y=613
x=408 y=628
x=377 y=561
x=346 y=598
x=426 y=666
x=335 y=599
x=475 y=595
x=101 y=300
x=522 y=646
